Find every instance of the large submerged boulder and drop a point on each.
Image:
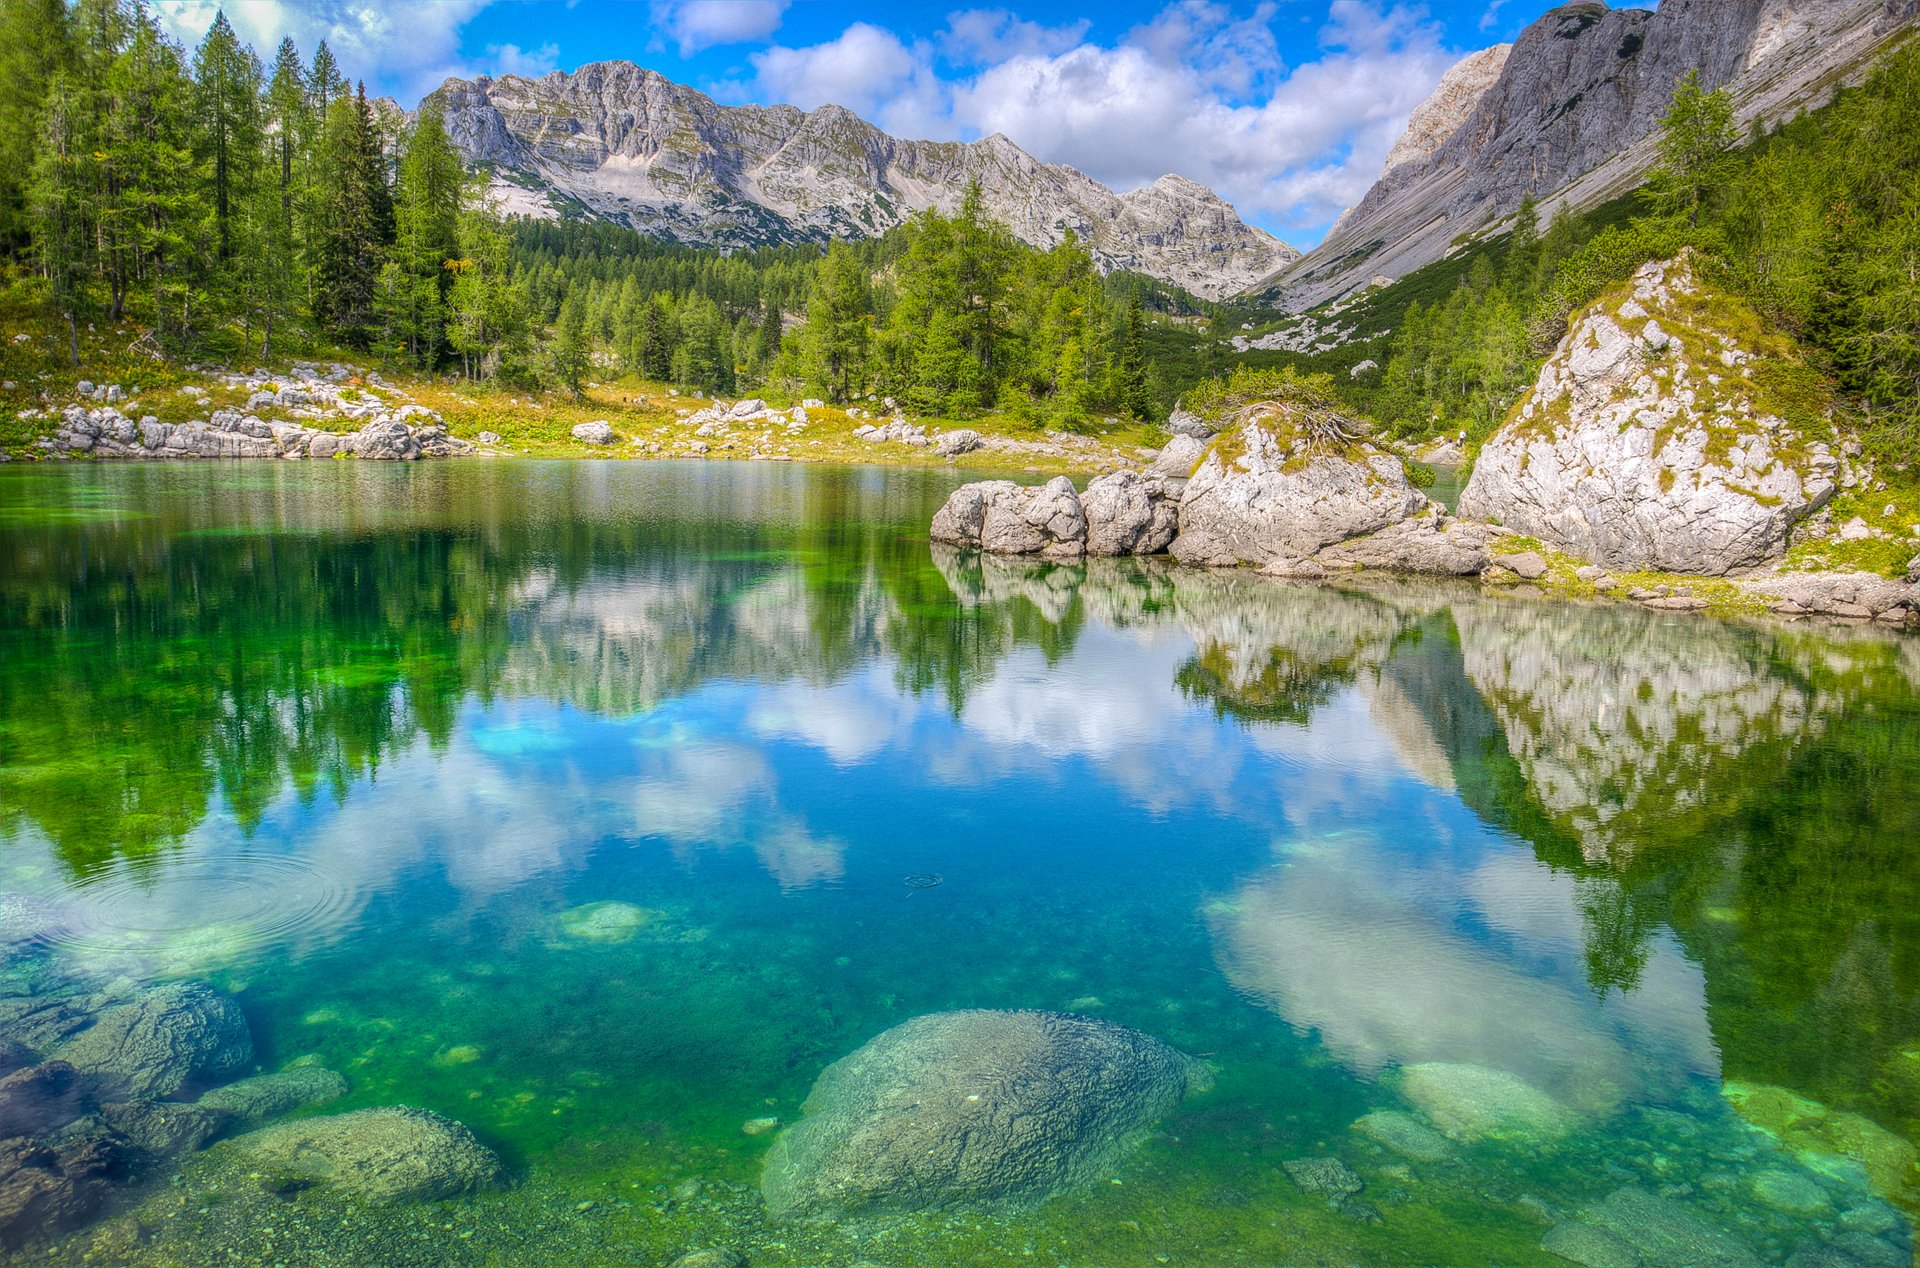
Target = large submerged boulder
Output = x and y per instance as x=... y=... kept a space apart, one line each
x=1285 y=478
x=1669 y=430
x=393 y=1154
x=975 y=1108
x=162 y=1041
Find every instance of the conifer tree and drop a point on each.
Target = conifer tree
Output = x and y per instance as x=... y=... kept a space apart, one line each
x=838 y=325
x=1130 y=370
x=227 y=106
x=36 y=44
x=426 y=215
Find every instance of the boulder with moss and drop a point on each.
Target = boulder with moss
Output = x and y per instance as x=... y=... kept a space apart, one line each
x=1671 y=429
x=1289 y=473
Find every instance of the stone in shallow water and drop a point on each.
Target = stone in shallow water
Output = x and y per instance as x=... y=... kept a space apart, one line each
x=1323 y=1177
x=1473 y=1102
x=380 y=1155
x=1403 y=1134
x=1585 y=1244
x=1790 y=1192
x=606 y=922
x=271 y=1095
x=1666 y=1233
x=162 y=1041
x=974 y=1108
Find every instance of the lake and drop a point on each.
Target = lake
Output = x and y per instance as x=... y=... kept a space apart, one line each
x=601 y=806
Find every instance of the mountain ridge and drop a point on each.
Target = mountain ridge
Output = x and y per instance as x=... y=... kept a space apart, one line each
x=617 y=141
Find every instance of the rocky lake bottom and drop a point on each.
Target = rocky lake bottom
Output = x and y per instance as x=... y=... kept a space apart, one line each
x=699 y=853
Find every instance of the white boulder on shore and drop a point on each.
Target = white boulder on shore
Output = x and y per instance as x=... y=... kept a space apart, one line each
x=1295 y=481
x=1126 y=513
x=1651 y=439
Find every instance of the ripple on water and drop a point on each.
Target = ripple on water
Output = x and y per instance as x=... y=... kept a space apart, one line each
x=199 y=912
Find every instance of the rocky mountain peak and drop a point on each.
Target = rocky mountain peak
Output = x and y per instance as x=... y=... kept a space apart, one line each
x=620 y=142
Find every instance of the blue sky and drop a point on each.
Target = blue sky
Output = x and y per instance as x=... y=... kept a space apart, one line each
x=1285 y=107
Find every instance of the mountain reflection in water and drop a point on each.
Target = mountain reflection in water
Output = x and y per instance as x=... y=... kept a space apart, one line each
x=302 y=733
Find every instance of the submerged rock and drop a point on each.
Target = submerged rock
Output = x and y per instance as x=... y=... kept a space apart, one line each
x=606 y=922
x=1472 y=1102
x=1403 y=1134
x=1284 y=481
x=162 y=1041
x=45 y=1187
x=1658 y=436
x=40 y=1099
x=163 y=1128
x=1663 y=1231
x=271 y=1095
x=393 y=1154
x=974 y=1108
x=1323 y=1177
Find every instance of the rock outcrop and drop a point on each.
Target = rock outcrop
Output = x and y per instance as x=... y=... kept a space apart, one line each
x=377 y=1155
x=618 y=142
x=976 y=1108
x=1657 y=437
x=1125 y=513
x=1129 y=514
x=162 y=1041
x=1281 y=483
x=1571 y=117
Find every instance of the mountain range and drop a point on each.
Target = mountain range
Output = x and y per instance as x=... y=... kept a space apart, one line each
x=616 y=141
x=1568 y=113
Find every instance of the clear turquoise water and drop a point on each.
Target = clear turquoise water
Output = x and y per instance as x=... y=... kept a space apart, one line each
x=371 y=749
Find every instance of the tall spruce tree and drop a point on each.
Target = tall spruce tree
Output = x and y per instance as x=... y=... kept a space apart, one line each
x=226 y=78
x=36 y=43
x=426 y=204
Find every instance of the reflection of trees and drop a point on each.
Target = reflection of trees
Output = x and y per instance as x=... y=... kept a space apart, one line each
x=1754 y=787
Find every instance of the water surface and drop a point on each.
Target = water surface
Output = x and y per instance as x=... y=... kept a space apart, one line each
x=373 y=749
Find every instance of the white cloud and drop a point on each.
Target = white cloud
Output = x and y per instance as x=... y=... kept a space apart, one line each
x=408 y=48
x=511 y=59
x=977 y=37
x=696 y=24
x=1198 y=90
x=870 y=71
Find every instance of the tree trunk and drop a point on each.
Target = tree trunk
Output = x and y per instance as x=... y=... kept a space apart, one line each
x=266 y=341
x=73 y=341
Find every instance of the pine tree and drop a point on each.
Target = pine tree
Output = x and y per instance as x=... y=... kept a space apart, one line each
x=570 y=349
x=36 y=43
x=325 y=83
x=289 y=127
x=150 y=211
x=1695 y=135
x=227 y=107
x=1130 y=370
x=839 y=329
x=353 y=219
x=426 y=215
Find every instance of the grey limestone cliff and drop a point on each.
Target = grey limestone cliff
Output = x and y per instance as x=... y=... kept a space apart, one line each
x=1571 y=116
